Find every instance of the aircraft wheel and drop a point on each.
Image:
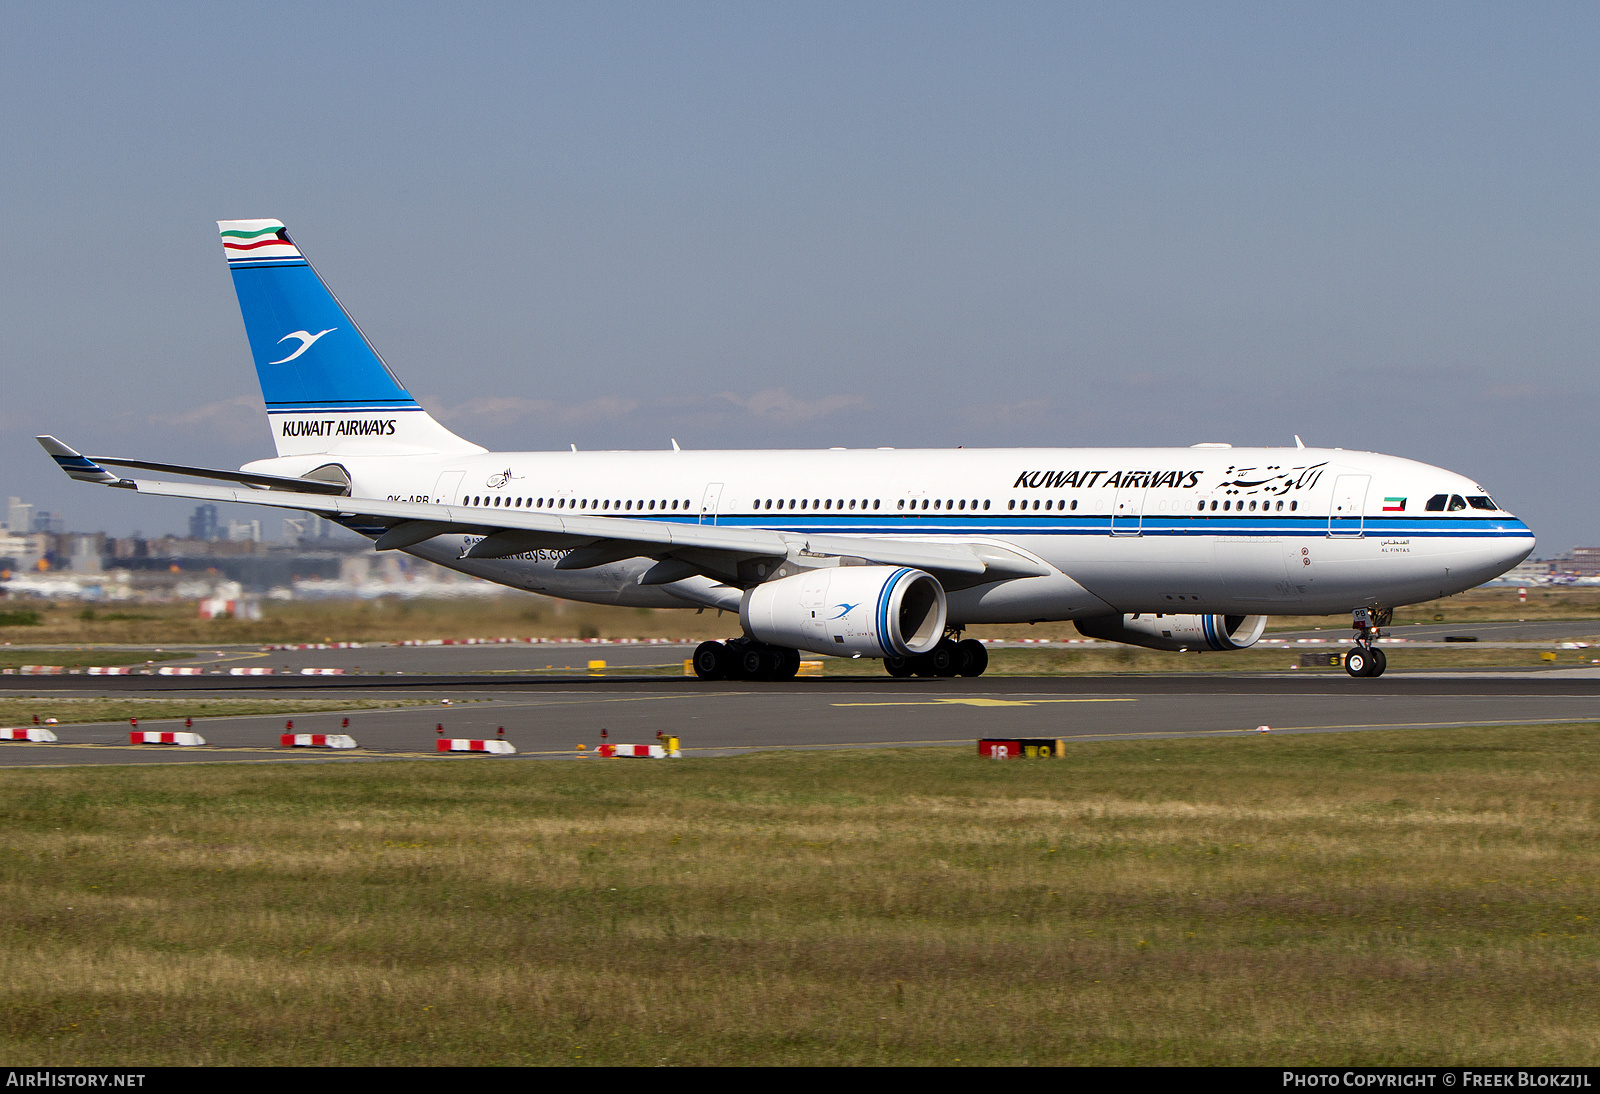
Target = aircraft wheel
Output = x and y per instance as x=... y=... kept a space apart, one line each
x=788 y=664
x=1358 y=663
x=898 y=666
x=755 y=663
x=939 y=661
x=972 y=657
x=1379 y=662
x=711 y=661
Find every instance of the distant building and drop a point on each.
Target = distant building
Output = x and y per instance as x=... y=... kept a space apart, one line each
x=19 y=517
x=244 y=531
x=203 y=524
x=307 y=527
x=1578 y=562
x=1532 y=572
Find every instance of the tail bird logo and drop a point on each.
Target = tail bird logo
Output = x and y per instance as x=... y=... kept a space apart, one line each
x=306 y=338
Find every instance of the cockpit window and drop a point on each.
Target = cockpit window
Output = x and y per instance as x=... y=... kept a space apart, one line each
x=1436 y=503
x=1482 y=502
x=1457 y=503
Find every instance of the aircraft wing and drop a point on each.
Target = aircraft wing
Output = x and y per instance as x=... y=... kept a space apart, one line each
x=734 y=555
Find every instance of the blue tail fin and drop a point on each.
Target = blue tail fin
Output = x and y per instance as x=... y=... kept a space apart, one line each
x=326 y=388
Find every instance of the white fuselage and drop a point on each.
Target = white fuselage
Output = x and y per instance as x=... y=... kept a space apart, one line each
x=1207 y=530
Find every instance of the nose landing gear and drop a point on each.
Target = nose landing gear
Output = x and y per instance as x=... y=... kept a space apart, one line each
x=1365 y=659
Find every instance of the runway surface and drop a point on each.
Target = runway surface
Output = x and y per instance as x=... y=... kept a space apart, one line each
x=548 y=717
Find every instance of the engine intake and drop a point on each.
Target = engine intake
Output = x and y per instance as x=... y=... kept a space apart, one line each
x=875 y=611
x=1176 y=632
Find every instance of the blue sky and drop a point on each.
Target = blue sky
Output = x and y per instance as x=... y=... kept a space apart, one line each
x=812 y=225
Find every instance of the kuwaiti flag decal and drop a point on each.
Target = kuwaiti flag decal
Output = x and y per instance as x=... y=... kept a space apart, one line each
x=1394 y=505
x=257 y=242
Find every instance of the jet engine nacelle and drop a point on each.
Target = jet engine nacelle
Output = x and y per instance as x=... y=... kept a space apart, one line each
x=875 y=611
x=1176 y=632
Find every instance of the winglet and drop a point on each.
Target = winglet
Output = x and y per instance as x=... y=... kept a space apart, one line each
x=76 y=464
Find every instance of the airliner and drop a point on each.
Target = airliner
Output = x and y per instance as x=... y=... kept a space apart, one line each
x=878 y=553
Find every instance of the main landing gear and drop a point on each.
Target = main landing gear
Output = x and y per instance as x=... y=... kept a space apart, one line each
x=1365 y=659
x=745 y=659
x=967 y=657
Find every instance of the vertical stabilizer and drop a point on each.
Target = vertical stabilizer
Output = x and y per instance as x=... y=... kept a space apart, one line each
x=326 y=388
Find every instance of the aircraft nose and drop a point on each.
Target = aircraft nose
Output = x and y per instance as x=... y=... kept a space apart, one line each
x=1510 y=550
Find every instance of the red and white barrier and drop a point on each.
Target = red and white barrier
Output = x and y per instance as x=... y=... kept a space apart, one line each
x=111 y=670
x=22 y=734
x=41 y=670
x=322 y=672
x=641 y=752
x=317 y=740
x=250 y=672
x=153 y=737
x=461 y=744
x=180 y=670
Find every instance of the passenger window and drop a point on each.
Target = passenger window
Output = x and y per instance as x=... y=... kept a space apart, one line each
x=1012 y=504
x=901 y=504
x=1481 y=502
x=986 y=504
x=1074 y=503
x=1457 y=503
x=1293 y=505
x=874 y=503
x=1436 y=503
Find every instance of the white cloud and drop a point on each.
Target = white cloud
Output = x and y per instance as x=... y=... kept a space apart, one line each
x=502 y=410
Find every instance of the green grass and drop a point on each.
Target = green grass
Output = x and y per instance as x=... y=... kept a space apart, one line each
x=74 y=709
x=78 y=658
x=1404 y=897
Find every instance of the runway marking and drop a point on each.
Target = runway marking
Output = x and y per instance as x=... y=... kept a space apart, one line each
x=980 y=702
